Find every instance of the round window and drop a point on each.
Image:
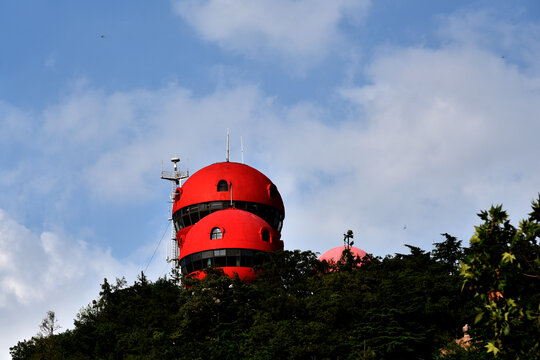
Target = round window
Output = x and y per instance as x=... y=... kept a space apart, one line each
x=216 y=233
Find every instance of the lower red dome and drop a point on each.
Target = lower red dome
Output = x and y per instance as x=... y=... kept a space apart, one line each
x=229 y=239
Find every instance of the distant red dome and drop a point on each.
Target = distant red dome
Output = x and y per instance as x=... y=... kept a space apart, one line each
x=334 y=255
x=242 y=183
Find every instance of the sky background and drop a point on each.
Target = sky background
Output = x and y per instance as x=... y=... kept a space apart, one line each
x=400 y=120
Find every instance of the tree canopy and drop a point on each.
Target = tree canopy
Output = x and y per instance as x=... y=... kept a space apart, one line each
x=405 y=306
x=502 y=271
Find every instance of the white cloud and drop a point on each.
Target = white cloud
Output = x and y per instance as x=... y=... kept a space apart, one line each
x=454 y=128
x=45 y=272
x=517 y=42
x=160 y=124
x=14 y=123
x=436 y=136
x=303 y=28
x=90 y=119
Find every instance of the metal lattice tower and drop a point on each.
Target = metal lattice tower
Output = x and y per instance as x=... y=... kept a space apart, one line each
x=176 y=176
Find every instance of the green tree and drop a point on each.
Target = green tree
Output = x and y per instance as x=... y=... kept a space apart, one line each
x=49 y=324
x=398 y=307
x=45 y=345
x=502 y=272
x=449 y=252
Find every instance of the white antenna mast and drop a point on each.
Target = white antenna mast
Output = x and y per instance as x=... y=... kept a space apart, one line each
x=176 y=176
x=227 y=156
x=242 y=148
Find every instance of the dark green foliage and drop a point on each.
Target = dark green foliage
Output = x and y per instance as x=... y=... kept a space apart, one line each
x=449 y=253
x=407 y=306
x=502 y=272
x=402 y=307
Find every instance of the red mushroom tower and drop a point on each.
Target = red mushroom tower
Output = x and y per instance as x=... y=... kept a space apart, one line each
x=224 y=214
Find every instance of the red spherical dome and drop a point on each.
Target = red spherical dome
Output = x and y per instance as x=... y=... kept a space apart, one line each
x=230 y=228
x=334 y=255
x=228 y=181
x=229 y=239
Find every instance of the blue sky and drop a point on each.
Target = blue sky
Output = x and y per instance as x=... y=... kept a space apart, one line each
x=398 y=120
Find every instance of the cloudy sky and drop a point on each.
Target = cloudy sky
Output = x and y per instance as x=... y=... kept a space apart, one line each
x=398 y=120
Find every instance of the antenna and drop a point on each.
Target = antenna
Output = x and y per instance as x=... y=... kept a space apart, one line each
x=176 y=176
x=242 y=148
x=227 y=156
x=347 y=239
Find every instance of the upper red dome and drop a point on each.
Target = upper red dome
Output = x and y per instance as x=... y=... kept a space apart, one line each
x=226 y=180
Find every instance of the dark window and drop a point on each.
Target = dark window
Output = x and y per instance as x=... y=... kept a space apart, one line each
x=190 y=215
x=233 y=257
x=233 y=252
x=204 y=210
x=253 y=208
x=193 y=212
x=221 y=252
x=178 y=223
x=272 y=191
x=222 y=186
x=215 y=233
x=185 y=216
x=198 y=265
x=217 y=205
x=183 y=266
x=233 y=260
x=221 y=258
x=247 y=258
x=265 y=235
x=258 y=258
x=220 y=261
x=242 y=205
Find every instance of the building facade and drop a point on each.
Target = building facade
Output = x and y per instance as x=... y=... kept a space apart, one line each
x=224 y=214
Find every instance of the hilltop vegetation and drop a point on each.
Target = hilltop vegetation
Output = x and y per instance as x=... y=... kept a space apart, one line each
x=406 y=306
